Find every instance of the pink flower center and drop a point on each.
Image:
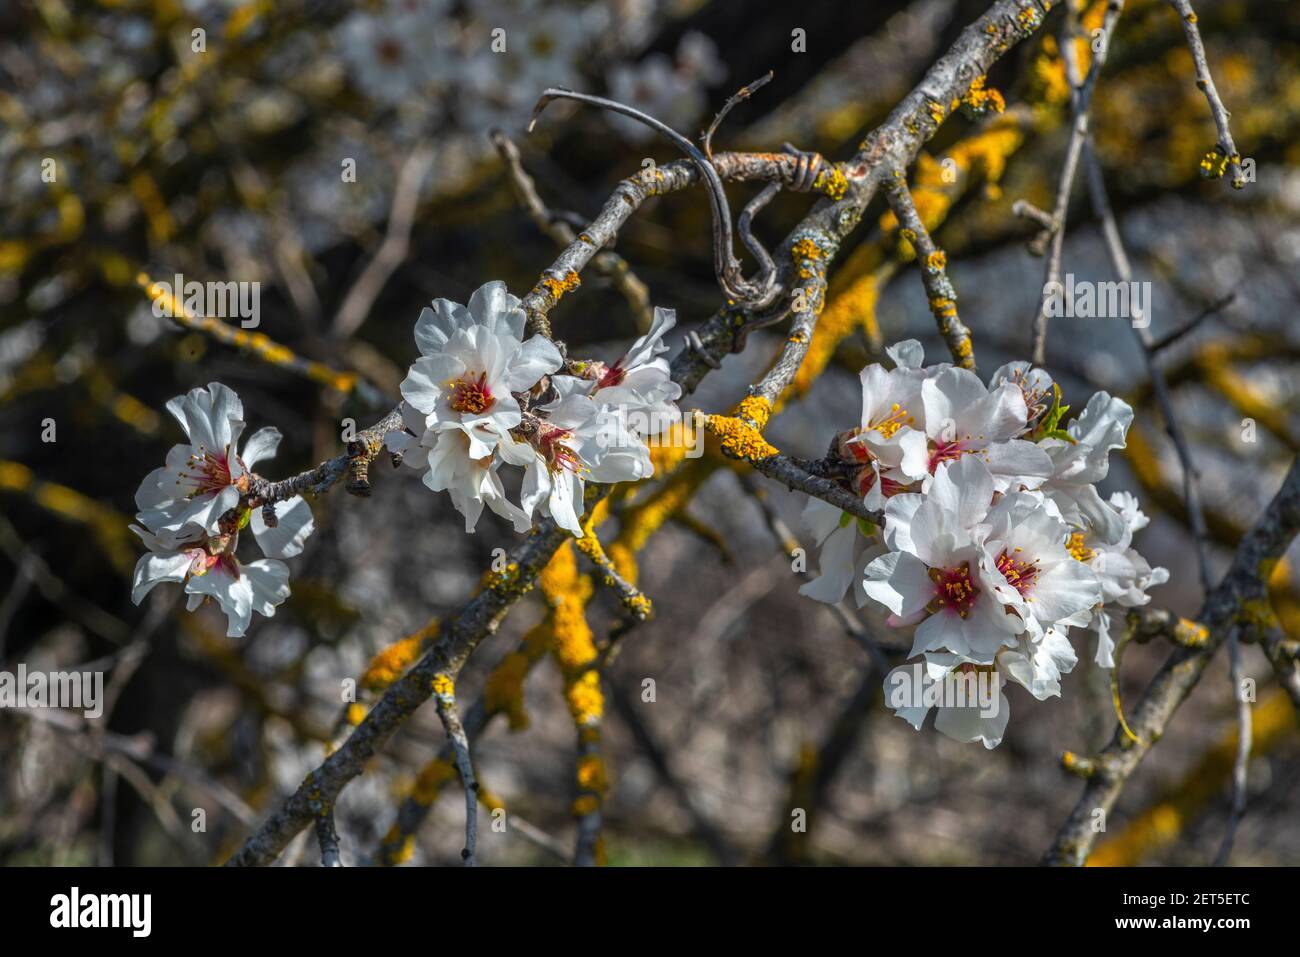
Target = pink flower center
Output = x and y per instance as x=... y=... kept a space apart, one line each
x=612 y=376
x=202 y=561
x=953 y=589
x=941 y=452
x=1020 y=574
x=471 y=395
x=208 y=471
x=866 y=478
x=557 y=453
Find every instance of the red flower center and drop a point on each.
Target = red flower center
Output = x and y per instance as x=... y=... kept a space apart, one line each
x=941 y=452
x=557 y=453
x=209 y=471
x=471 y=395
x=1019 y=573
x=612 y=376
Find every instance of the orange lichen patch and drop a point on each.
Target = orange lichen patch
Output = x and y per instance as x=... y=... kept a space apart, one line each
x=668 y=449
x=852 y=309
x=755 y=410
x=391 y=662
x=590 y=545
x=1075 y=764
x=806 y=256
x=1047 y=81
x=493 y=580
x=1272 y=721
x=646 y=517
x=162 y=227
x=591 y=774
x=568 y=592
x=936 y=261
x=943 y=307
x=739 y=439
x=1029 y=18
x=255 y=343
x=356 y=713
x=831 y=182
x=503 y=691
x=1190 y=633
x=556 y=288
x=398 y=847
x=586 y=804
x=125 y=408
x=443 y=686
x=983 y=99
x=428 y=785
x=490 y=799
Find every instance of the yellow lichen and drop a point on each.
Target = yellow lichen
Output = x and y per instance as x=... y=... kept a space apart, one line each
x=428 y=785
x=556 y=288
x=831 y=182
x=389 y=663
x=586 y=804
x=668 y=449
x=443 y=686
x=739 y=439
x=572 y=643
x=591 y=774
x=754 y=409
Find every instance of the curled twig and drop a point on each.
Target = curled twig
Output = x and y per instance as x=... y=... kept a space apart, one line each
x=758 y=292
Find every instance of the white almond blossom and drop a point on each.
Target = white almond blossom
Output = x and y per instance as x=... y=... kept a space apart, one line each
x=995 y=540
x=1079 y=463
x=945 y=678
x=462 y=461
x=209 y=569
x=578 y=442
x=200 y=481
x=963 y=417
x=936 y=574
x=460 y=405
x=205 y=479
x=474 y=358
x=1043 y=583
x=481 y=396
x=640 y=382
x=890 y=441
x=1123 y=574
x=395 y=52
x=848 y=545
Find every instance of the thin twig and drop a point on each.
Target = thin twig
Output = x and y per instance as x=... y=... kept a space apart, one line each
x=1081 y=100
x=328 y=838
x=361 y=296
x=939 y=291
x=1169 y=338
x=445 y=696
x=1205 y=83
x=1243 y=585
x=606 y=262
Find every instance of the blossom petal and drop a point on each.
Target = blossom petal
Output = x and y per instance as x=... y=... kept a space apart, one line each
x=293 y=524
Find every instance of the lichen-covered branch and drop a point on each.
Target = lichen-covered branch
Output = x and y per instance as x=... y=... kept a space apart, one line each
x=1239 y=601
x=939 y=291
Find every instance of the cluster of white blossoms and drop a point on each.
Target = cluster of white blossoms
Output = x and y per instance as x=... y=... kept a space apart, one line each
x=481 y=396
x=192 y=516
x=995 y=540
